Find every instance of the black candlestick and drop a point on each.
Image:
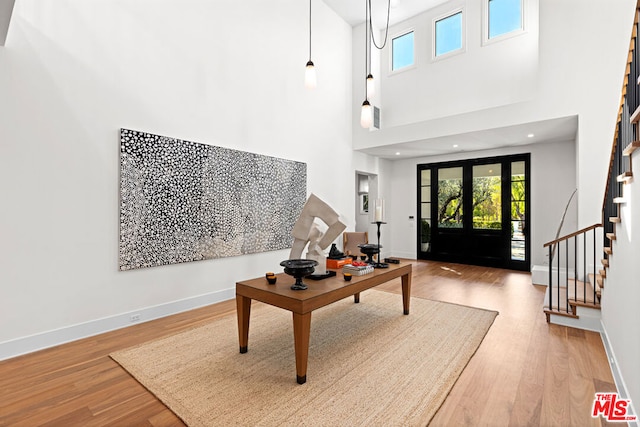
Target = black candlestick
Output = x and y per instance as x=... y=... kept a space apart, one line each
x=379 y=264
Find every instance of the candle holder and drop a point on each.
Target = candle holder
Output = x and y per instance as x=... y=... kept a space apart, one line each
x=379 y=264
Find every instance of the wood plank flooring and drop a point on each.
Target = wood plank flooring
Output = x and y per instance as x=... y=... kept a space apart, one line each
x=525 y=373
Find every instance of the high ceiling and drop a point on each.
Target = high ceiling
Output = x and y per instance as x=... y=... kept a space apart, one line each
x=353 y=11
x=6 y=8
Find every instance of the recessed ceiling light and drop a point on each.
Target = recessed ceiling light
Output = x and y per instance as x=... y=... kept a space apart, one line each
x=455 y=145
x=398 y=153
x=530 y=135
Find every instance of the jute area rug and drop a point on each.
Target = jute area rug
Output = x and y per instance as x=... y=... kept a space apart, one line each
x=369 y=365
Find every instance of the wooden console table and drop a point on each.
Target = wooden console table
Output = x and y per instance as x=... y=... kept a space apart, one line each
x=302 y=303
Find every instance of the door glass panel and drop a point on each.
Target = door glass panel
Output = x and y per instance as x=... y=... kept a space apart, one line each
x=425 y=193
x=425 y=213
x=425 y=177
x=518 y=214
x=425 y=210
x=487 y=197
x=450 y=197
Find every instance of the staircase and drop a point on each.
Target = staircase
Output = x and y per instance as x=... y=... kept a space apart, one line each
x=575 y=282
x=579 y=261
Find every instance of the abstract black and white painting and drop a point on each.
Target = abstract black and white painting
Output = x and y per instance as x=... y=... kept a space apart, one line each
x=184 y=201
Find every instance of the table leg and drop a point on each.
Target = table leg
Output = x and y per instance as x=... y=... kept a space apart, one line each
x=406 y=292
x=301 y=331
x=356 y=297
x=243 y=306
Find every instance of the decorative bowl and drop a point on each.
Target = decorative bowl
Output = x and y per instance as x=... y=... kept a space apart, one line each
x=370 y=250
x=299 y=268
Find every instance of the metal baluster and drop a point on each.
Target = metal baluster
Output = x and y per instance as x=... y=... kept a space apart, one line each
x=550 y=278
x=575 y=267
x=558 y=252
x=595 y=279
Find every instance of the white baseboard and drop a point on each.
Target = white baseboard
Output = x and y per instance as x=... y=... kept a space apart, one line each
x=540 y=275
x=589 y=320
x=406 y=255
x=617 y=375
x=29 y=344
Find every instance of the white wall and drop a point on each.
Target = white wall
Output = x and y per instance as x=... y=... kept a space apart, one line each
x=72 y=73
x=552 y=182
x=621 y=294
x=503 y=72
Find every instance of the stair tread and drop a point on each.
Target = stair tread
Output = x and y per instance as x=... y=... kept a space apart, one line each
x=635 y=116
x=599 y=282
x=619 y=200
x=579 y=294
x=614 y=219
x=611 y=236
x=624 y=177
x=561 y=313
x=631 y=148
x=605 y=262
x=608 y=250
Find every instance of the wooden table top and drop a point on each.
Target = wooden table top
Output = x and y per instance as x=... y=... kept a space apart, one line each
x=319 y=292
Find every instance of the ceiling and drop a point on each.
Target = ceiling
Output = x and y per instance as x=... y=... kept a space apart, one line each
x=353 y=11
x=546 y=131
x=6 y=8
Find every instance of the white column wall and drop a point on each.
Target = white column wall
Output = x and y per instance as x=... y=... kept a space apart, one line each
x=73 y=73
x=621 y=293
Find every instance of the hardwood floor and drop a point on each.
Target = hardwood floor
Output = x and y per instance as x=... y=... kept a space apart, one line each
x=525 y=373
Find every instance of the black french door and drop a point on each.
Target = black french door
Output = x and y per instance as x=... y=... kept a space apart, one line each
x=475 y=211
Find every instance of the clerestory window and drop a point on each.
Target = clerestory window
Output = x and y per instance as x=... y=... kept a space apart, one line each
x=402 y=51
x=448 y=34
x=503 y=17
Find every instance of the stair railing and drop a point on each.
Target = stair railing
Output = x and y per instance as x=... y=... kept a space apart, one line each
x=580 y=247
x=625 y=139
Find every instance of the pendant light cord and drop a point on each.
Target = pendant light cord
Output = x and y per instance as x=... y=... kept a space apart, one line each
x=309 y=30
x=367 y=45
x=386 y=33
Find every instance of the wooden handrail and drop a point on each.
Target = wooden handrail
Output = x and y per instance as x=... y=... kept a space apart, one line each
x=575 y=233
x=626 y=82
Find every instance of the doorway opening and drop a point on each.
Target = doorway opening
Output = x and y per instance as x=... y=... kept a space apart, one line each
x=475 y=211
x=366 y=193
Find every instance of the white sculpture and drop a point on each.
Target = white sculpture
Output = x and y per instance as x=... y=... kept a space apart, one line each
x=306 y=231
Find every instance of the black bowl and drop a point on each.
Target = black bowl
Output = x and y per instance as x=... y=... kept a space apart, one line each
x=299 y=268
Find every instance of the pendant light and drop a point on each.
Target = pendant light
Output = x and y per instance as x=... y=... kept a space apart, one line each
x=310 y=79
x=371 y=87
x=366 y=114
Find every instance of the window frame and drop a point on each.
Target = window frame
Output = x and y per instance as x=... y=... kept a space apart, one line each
x=505 y=36
x=463 y=34
x=406 y=67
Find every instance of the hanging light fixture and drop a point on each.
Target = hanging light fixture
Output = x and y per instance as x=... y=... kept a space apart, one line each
x=371 y=87
x=366 y=114
x=310 y=79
